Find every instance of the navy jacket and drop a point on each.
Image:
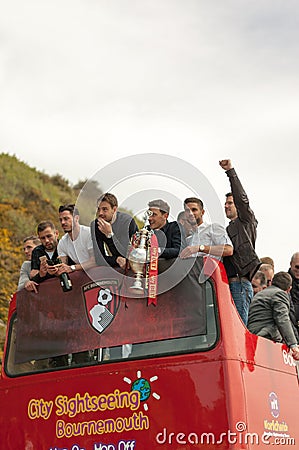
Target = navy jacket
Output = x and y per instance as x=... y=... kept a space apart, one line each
x=170 y=240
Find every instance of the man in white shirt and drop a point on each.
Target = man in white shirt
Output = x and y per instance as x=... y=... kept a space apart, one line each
x=206 y=238
x=75 y=248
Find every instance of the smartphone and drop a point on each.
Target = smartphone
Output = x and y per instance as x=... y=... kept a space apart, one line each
x=50 y=262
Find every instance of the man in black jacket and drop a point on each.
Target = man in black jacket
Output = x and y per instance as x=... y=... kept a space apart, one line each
x=242 y=265
x=42 y=254
x=168 y=233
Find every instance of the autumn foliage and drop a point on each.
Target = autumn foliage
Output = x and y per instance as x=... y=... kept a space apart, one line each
x=26 y=197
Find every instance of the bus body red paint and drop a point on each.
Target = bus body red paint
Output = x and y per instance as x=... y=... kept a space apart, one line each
x=242 y=393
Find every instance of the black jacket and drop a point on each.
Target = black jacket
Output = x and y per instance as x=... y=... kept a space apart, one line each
x=37 y=252
x=170 y=240
x=242 y=231
x=295 y=295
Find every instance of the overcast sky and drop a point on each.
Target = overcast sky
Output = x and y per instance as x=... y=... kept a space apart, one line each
x=84 y=83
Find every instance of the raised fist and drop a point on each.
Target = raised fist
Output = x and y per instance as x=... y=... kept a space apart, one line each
x=226 y=164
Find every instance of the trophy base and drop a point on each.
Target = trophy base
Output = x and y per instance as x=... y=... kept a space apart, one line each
x=136 y=291
x=137 y=288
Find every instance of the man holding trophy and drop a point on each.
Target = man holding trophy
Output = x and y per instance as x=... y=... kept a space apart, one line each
x=168 y=233
x=158 y=239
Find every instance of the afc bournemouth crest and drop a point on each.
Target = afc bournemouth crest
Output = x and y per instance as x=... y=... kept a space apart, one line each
x=101 y=303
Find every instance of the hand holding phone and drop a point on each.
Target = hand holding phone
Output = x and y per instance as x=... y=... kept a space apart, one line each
x=43 y=265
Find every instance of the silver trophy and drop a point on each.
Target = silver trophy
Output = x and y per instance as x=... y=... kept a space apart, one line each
x=139 y=257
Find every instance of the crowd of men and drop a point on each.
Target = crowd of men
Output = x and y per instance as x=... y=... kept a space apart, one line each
x=267 y=303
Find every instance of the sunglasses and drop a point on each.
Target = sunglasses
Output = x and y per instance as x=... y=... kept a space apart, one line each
x=296 y=267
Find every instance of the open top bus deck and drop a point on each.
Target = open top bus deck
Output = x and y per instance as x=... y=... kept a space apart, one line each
x=183 y=374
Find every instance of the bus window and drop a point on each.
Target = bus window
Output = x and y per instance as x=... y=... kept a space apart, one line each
x=11 y=367
x=48 y=364
x=176 y=345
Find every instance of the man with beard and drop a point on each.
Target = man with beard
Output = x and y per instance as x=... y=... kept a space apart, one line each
x=75 y=248
x=205 y=238
x=111 y=232
x=75 y=251
x=43 y=266
x=47 y=251
x=242 y=230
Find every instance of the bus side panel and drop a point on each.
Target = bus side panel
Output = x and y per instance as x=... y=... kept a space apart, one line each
x=272 y=403
x=142 y=405
x=261 y=406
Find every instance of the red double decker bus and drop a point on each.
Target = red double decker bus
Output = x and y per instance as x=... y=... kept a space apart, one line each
x=183 y=374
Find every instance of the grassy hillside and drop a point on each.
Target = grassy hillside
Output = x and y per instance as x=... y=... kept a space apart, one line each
x=27 y=197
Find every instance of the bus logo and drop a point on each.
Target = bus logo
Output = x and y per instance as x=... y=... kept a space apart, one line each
x=101 y=302
x=274 y=404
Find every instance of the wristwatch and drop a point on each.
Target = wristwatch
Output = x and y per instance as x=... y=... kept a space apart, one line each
x=202 y=248
x=110 y=235
x=73 y=267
